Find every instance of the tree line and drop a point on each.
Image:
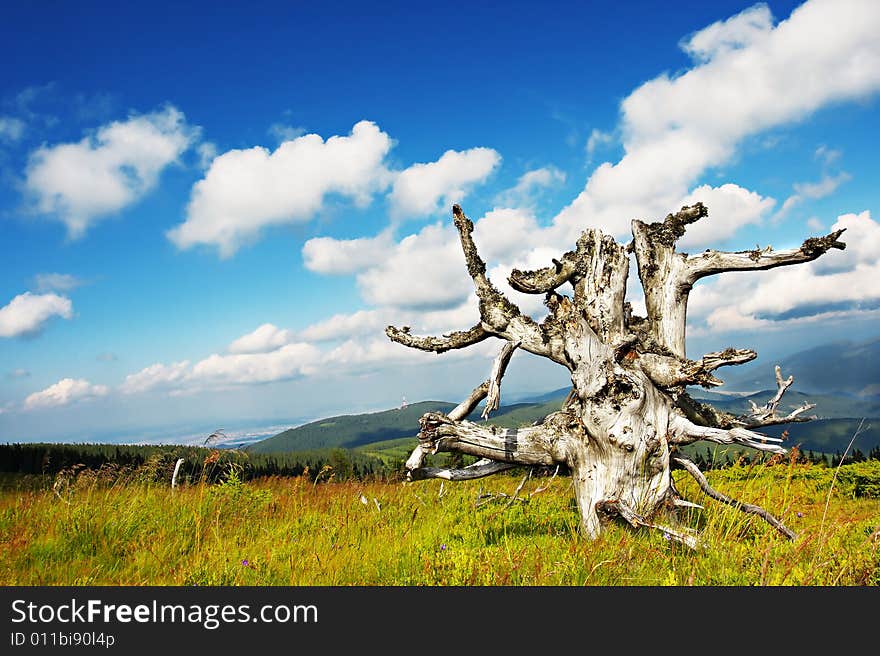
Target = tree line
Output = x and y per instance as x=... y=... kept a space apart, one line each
x=156 y=462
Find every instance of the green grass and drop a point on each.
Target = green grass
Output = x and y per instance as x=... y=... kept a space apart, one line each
x=100 y=530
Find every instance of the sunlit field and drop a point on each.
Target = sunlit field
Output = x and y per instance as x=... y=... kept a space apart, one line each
x=103 y=528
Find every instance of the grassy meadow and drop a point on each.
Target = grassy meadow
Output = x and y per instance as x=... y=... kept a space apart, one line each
x=102 y=528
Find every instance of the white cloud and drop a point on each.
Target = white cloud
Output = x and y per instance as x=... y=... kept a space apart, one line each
x=246 y=191
x=338 y=326
x=289 y=361
x=827 y=155
x=58 y=282
x=283 y=132
x=425 y=270
x=353 y=356
x=267 y=337
x=220 y=371
x=64 y=392
x=421 y=189
x=19 y=373
x=746 y=28
x=155 y=376
x=815 y=224
x=505 y=233
x=27 y=313
x=749 y=76
x=80 y=183
x=529 y=185
x=340 y=256
x=827 y=185
x=838 y=283
x=596 y=140
x=11 y=128
x=812 y=190
x=207 y=151
x=730 y=208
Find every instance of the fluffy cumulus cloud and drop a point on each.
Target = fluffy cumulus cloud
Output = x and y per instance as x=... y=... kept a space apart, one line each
x=262 y=356
x=64 y=392
x=344 y=345
x=342 y=256
x=338 y=326
x=245 y=191
x=161 y=376
x=737 y=32
x=290 y=361
x=749 y=75
x=81 y=183
x=423 y=189
x=731 y=207
x=27 y=313
x=425 y=270
x=501 y=233
x=267 y=337
x=839 y=284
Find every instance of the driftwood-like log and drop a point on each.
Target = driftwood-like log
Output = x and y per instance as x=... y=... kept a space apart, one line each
x=628 y=411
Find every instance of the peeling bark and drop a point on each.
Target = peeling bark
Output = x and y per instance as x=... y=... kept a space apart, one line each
x=628 y=409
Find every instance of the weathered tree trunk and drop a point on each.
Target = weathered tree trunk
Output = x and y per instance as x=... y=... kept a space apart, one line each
x=620 y=429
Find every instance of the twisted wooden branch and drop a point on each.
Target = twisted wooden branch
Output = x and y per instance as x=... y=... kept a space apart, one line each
x=694 y=471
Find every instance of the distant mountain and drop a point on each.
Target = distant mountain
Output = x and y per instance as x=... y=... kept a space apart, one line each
x=351 y=431
x=834 y=368
x=828 y=406
x=842 y=379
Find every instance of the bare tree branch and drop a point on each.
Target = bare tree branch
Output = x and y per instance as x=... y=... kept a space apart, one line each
x=455 y=340
x=766 y=415
x=479 y=469
x=544 y=280
x=524 y=446
x=686 y=432
x=669 y=371
x=730 y=356
x=493 y=398
x=694 y=471
x=713 y=262
x=662 y=273
x=459 y=412
x=499 y=315
x=615 y=507
x=667 y=276
x=467 y=406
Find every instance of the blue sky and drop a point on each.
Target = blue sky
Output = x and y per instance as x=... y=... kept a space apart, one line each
x=209 y=215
